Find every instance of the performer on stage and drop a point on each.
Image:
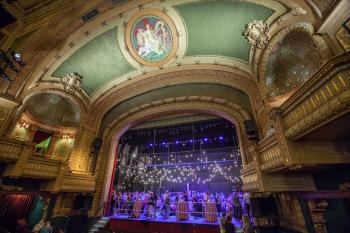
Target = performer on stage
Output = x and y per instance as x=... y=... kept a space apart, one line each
x=166 y=199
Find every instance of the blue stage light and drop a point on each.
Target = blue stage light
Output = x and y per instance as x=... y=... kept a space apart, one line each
x=221 y=138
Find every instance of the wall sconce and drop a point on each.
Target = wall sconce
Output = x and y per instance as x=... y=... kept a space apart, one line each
x=23 y=124
x=67 y=136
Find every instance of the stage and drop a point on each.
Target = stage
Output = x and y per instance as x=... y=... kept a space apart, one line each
x=121 y=224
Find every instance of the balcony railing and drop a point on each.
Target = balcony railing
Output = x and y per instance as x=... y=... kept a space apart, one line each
x=322 y=98
x=270 y=154
x=78 y=183
x=10 y=150
x=41 y=168
x=250 y=178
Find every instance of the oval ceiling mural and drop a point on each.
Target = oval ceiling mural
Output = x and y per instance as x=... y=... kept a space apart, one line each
x=151 y=38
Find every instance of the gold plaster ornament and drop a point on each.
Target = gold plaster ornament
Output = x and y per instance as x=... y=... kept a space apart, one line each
x=256 y=34
x=72 y=82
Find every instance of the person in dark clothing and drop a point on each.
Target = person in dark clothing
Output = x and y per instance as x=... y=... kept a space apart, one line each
x=218 y=204
x=151 y=210
x=196 y=206
x=113 y=203
x=185 y=197
x=130 y=205
x=229 y=226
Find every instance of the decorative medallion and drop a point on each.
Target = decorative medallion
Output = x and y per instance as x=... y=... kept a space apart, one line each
x=256 y=34
x=72 y=82
x=151 y=37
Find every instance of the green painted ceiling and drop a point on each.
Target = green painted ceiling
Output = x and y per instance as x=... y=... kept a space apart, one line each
x=99 y=61
x=215 y=27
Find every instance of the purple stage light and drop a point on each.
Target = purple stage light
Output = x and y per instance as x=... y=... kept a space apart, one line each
x=221 y=138
x=163 y=143
x=177 y=142
x=191 y=141
x=205 y=139
x=150 y=144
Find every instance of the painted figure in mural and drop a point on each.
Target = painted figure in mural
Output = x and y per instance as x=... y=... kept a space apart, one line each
x=153 y=39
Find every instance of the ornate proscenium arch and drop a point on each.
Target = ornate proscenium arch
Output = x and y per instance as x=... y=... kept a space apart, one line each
x=117 y=128
x=175 y=77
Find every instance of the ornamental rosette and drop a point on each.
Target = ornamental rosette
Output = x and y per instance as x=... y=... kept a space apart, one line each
x=256 y=34
x=72 y=82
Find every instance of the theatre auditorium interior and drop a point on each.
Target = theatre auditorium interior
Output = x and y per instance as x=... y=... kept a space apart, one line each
x=174 y=116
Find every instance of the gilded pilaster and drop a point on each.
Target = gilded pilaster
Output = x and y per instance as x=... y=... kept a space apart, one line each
x=80 y=157
x=52 y=146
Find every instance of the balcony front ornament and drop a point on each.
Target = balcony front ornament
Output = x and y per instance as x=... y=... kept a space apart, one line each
x=256 y=34
x=72 y=82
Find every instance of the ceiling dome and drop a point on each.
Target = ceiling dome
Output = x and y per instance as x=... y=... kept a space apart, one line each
x=53 y=110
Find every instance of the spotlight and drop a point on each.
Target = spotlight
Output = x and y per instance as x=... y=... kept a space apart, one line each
x=221 y=138
x=17 y=57
x=205 y=139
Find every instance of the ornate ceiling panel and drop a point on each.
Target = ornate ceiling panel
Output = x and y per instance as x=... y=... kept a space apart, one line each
x=201 y=32
x=215 y=90
x=215 y=27
x=99 y=61
x=53 y=110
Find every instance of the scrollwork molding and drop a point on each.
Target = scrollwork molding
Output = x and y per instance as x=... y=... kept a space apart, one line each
x=120 y=93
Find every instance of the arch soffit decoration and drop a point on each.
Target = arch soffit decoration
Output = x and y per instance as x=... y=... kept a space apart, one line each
x=41 y=90
x=300 y=25
x=225 y=78
x=131 y=88
x=100 y=23
x=215 y=106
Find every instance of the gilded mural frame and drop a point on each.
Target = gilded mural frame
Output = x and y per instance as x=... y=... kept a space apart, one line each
x=172 y=27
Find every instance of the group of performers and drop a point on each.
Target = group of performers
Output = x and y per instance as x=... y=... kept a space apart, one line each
x=200 y=205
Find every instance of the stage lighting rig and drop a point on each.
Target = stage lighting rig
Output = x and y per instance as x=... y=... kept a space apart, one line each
x=9 y=60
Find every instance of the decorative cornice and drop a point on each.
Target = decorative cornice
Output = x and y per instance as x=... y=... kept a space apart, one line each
x=191 y=101
x=123 y=92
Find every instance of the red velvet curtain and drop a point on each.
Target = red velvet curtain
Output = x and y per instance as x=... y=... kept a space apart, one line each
x=154 y=227
x=14 y=207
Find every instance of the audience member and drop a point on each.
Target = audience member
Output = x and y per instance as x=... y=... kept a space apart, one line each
x=229 y=226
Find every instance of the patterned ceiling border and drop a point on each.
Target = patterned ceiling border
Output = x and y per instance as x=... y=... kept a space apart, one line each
x=128 y=90
x=37 y=38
